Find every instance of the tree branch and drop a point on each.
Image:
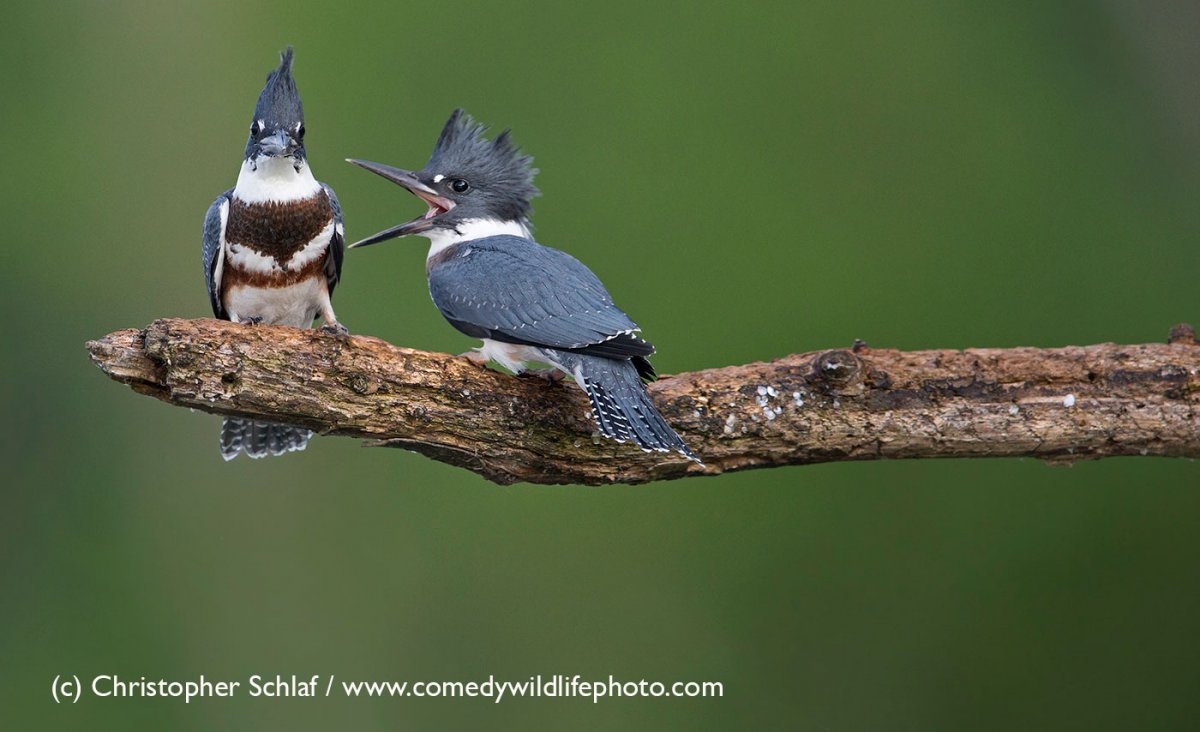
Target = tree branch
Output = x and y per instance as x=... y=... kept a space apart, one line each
x=1057 y=404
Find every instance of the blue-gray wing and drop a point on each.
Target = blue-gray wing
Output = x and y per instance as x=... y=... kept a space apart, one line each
x=213 y=255
x=514 y=290
x=337 y=244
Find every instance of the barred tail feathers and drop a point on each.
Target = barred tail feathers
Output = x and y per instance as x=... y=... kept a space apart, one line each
x=260 y=439
x=620 y=405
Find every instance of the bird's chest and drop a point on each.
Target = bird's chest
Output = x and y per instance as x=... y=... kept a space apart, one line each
x=445 y=253
x=278 y=237
x=275 y=256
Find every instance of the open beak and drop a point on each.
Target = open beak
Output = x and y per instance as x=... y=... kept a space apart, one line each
x=438 y=205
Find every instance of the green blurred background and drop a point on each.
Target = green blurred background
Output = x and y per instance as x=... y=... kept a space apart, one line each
x=750 y=180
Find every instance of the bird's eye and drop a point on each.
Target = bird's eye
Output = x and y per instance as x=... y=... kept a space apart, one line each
x=458 y=185
x=256 y=127
x=300 y=132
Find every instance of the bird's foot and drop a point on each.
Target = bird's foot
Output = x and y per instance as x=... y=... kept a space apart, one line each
x=552 y=376
x=256 y=320
x=475 y=357
x=334 y=329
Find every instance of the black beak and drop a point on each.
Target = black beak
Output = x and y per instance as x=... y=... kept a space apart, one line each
x=277 y=145
x=408 y=180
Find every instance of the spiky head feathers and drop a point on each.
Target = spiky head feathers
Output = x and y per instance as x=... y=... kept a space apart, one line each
x=496 y=169
x=280 y=100
x=278 y=106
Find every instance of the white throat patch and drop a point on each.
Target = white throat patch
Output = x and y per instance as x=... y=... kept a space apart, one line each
x=275 y=179
x=470 y=229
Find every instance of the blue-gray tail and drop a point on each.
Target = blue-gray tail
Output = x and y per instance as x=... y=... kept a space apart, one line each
x=620 y=405
x=260 y=439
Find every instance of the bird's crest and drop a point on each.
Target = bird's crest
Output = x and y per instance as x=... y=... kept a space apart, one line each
x=279 y=102
x=462 y=149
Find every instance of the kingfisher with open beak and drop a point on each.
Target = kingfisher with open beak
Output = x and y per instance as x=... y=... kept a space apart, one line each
x=527 y=302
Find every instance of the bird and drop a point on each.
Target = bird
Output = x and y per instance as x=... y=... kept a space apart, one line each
x=273 y=246
x=530 y=304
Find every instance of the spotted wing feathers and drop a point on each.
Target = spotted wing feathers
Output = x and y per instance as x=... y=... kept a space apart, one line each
x=514 y=290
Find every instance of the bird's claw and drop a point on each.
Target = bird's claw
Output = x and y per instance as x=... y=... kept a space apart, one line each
x=256 y=320
x=552 y=376
x=334 y=329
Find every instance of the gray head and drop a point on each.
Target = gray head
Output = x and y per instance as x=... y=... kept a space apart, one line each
x=277 y=129
x=467 y=177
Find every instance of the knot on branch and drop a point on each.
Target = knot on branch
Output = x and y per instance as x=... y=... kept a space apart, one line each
x=1183 y=333
x=837 y=370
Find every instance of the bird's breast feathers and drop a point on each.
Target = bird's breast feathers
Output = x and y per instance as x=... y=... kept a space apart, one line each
x=276 y=241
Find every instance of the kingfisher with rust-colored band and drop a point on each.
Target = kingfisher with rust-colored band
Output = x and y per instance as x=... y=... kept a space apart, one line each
x=273 y=246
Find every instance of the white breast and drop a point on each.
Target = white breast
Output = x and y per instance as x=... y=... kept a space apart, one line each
x=295 y=305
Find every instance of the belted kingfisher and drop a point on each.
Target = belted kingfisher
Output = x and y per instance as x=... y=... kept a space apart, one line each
x=528 y=303
x=273 y=245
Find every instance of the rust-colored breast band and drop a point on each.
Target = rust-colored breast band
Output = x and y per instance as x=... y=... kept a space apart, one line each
x=277 y=230
x=235 y=276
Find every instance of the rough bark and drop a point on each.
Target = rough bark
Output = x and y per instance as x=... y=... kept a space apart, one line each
x=1057 y=404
